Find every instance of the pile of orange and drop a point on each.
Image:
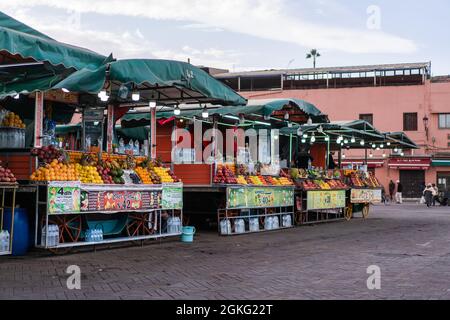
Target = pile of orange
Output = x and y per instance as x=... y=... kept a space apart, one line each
x=12 y=120
x=56 y=171
x=144 y=175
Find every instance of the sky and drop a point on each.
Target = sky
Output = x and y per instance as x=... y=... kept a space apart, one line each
x=241 y=35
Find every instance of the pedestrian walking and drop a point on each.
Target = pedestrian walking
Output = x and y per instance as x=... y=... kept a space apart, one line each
x=391 y=190
x=428 y=194
x=398 y=194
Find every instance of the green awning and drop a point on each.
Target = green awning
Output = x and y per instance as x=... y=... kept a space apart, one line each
x=440 y=163
x=43 y=61
x=18 y=38
x=168 y=82
x=254 y=107
x=401 y=139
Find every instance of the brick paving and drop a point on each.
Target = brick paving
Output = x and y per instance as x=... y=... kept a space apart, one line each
x=410 y=243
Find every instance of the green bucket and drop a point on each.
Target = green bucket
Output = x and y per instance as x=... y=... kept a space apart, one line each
x=187 y=234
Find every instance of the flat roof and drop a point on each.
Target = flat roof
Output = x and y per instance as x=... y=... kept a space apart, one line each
x=366 y=68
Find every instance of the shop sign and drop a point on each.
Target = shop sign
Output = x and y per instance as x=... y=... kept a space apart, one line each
x=365 y=196
x=112 y=200
x=259 y=197
x=325 y=199
x=172 y=197
x=410 y=163
x=63 y=197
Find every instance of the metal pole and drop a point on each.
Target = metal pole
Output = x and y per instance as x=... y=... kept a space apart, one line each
x=290 y=150
x=328 y=154
x=153 y=133
x=365 y=158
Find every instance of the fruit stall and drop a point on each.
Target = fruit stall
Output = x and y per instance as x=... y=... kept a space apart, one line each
x=221 y=181
x=253 y=202
x=365 y=189
x=320 y=195
x=89 y=199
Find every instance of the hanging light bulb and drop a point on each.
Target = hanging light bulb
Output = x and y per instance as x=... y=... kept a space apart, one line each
x=152 y=104
x=17 y=96
x=303 y=140
x=305 y=136
x=205 y=113
x=378 y=148
x=402 y=154
x=395 y=150
x=346 y=141
x=103 y=95
x=181 y=120
x=353 y=140
x=299 y=132
x=327 y=138
x=388 y=144
x=381 y=146
x=343 y=155
x=374 y=146
x=362 y=142
x=313 y=138
x=135 y=96
x=342 y=144
x=177 y=111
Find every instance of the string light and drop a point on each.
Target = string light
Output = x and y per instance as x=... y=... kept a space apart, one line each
x=205 y=113
x=177 y=111
x=362 y=142
x=353 y=139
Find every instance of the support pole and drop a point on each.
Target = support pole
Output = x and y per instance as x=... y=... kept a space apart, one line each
x=290 y=151
x=38 y=119
x=328 y=154
x=153 y=133
x=110 y=130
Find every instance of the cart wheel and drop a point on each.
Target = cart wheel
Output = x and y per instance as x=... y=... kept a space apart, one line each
x=137 y=225
x=348 y=214
x=69 y=230
x=365 y=211
x=300 y=218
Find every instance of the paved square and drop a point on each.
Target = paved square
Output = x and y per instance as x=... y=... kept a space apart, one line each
x=410 y=243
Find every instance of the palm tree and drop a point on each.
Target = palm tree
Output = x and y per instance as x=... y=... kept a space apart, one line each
x=314 y=54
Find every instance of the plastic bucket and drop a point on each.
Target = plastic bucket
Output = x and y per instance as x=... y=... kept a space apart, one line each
x=21 y=237
x=187 y=234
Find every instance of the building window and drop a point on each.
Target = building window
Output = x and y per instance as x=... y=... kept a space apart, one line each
x=410 y=121
x=444 y=121
x=368 y=117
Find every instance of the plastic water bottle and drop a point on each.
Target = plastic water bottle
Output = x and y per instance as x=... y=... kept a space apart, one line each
x=2 y=241
x=239 y=226
x=121 y=146
x=178 y=224
x=287 y=221
x=275 y=223
x=56 y=241
x=268 y=223
x=254 y=224
x=43 y=236
x=170 y=225
x=225 y=226
x=136 y=148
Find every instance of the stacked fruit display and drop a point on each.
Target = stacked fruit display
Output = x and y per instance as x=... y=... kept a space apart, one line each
x=356 y=180
x=6 y=176
x=307 y=184
x=144 y=175
x=164 y=174
x=49 y=153
x=258 y=180
x=284 y=181
x=12 y=120
x=89 y=174
x=372 y=181
x=241 y=180
x=336 y=184
x=56 y=171
x=225 y=175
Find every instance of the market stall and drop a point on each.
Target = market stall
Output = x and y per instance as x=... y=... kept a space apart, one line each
x=324 y=194
x=218 y=182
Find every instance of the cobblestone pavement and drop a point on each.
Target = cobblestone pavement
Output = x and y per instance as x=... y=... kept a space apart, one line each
x=410 y=243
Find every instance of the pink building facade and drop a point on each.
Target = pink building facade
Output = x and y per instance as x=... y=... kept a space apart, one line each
x=421 y=110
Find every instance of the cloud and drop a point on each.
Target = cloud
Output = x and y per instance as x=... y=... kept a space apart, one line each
x=126 y=44
x=268 y=19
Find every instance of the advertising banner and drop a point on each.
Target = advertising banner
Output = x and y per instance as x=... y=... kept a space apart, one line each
x=325 y=199
x=259 y=197
x=63 y=197
x=172 y=197
x=365 y=196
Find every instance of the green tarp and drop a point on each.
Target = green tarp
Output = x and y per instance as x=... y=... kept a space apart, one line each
x=155 y=77
x=18 y=38
x=57 y=59
x=440 y=163
x=258 y=107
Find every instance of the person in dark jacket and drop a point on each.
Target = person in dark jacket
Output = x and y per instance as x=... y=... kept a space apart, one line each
x=391 y=190
x=428 y=194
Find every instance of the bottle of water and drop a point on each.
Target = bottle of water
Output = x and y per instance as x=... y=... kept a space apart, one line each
x=136 y=148
x=170 y=225
x=43 y=236
x=275 y=223
x=2 y=241
x=56 y=236
x=7 y=240
x=87 y=236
